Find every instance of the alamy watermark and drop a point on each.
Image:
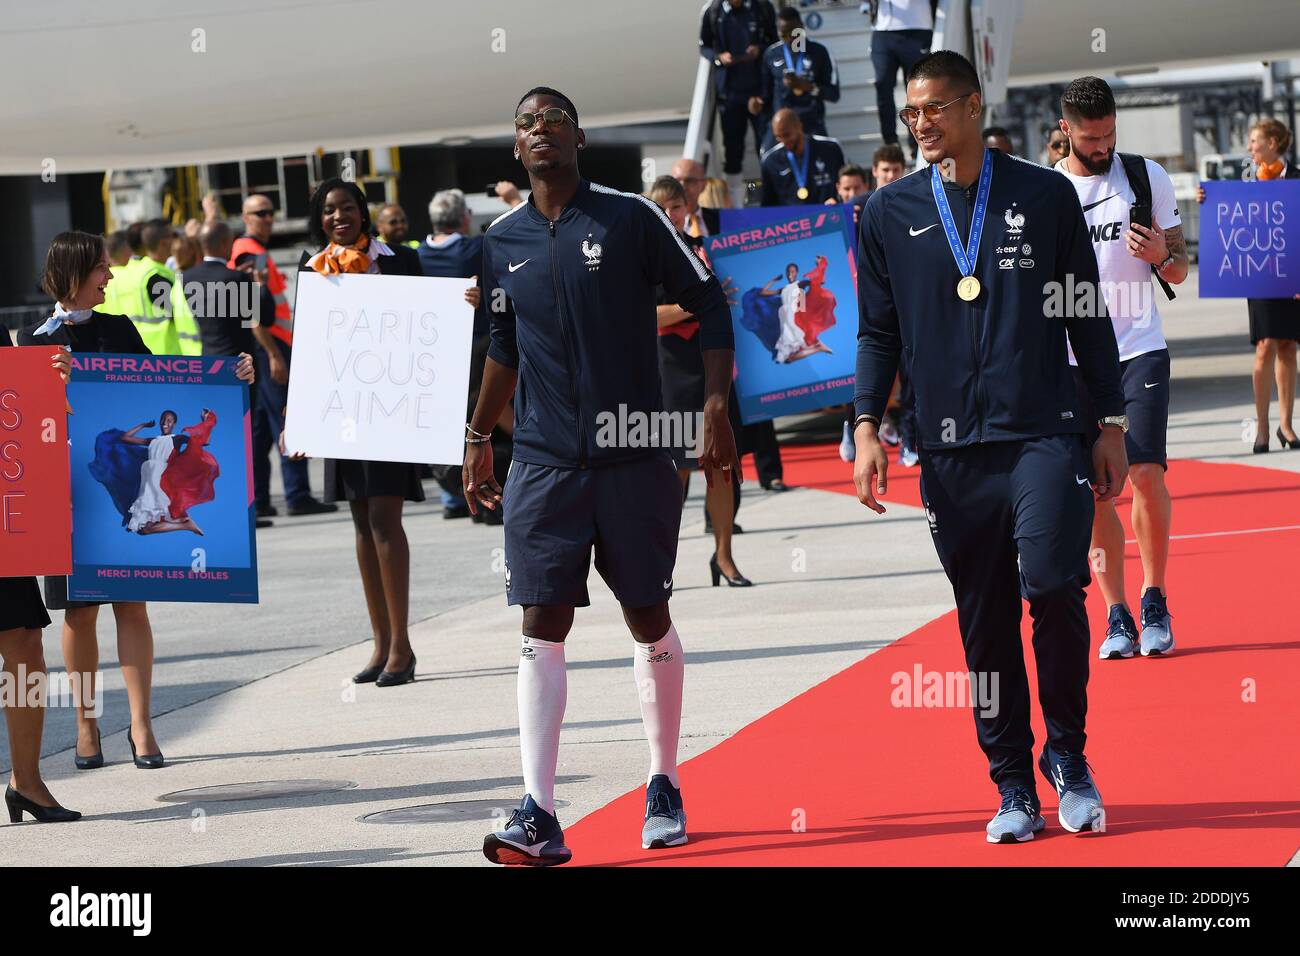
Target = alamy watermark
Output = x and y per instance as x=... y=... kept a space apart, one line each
x=638 y=429
x=22 y=688
x=920 y=688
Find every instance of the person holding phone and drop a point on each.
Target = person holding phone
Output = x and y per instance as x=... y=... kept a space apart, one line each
x=798 y=74
x=1130 y=240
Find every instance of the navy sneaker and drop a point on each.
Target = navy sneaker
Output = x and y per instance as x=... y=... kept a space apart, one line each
x=1080 y=802
x=1017 y=819
x=532 y=838
x=1121 y=635
x=1157 y=635
x=665 y=820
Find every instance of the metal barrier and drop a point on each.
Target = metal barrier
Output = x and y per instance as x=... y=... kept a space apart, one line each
x=24 y=316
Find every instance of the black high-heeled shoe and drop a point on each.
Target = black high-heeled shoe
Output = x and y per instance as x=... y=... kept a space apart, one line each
x=1260 y=448
x=1286 y=442
x=369 y=675
x=17 y=803
x=739 y=581
x=94 y=761
x=144 y=761
x=393 y=678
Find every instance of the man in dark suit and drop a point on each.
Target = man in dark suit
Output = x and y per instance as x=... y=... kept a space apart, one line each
x=700 y=221
x=231 y=310
x=451 y=251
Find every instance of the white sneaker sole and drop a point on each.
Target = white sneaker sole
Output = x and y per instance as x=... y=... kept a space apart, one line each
x=664 y=844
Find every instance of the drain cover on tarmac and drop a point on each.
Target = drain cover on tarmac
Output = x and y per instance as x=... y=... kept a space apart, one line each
x=448 y=812
x=256 y=790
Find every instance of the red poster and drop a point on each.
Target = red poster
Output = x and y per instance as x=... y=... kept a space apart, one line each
x=35 y=492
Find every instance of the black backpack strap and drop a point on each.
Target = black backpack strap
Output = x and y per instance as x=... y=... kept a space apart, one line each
x=1135 y=168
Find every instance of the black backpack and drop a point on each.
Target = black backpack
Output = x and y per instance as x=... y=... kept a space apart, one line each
x=1135 y=167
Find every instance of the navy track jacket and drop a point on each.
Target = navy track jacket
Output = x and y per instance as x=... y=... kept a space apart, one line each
x=575 y=315
x=994 y=369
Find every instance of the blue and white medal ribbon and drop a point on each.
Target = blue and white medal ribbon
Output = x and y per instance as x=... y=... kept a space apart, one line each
x=968 y=287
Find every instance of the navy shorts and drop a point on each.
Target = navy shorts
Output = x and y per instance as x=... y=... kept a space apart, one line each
x=630 y=513
x=1145 y=380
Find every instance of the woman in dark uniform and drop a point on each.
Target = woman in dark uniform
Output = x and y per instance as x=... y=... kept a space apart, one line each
x=1274 y=323
x=339 y=224
x=681 y=374
x=76 y=274
x=22 y=615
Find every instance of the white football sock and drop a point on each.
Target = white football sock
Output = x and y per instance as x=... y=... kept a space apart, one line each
x=543 y=692
x=659 y=669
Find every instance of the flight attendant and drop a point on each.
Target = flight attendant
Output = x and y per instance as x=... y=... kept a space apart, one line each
x=339 y=224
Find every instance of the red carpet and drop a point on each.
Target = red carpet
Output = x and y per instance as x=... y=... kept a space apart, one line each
x=1191 y=773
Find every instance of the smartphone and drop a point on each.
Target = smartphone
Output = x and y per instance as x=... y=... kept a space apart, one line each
x=491 y=190
x=1139 y=214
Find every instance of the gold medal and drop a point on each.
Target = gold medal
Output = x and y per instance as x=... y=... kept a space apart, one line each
x=968 y=288
x=803 y=192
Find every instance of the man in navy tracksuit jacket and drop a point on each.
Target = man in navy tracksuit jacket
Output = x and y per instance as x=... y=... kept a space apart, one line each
x=798 y=73
x=569 y=280
x=1004 y=473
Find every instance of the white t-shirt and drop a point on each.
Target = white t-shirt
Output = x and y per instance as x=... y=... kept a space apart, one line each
x=904 y=15
x=1127 y=283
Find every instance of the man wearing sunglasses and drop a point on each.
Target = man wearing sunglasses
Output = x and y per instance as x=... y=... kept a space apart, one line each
x=960 y=269
x=569 y=279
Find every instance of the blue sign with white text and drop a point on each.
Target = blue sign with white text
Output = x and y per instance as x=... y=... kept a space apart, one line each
x=1250 y=240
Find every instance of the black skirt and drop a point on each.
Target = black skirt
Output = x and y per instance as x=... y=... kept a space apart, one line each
x=1274 y=319
x=348 y=480
x=20 y=604
x=56 y=595
x=681 y=377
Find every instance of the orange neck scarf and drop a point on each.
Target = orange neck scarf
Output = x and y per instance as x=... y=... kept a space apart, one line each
x=335 y=259
x=1271 y=170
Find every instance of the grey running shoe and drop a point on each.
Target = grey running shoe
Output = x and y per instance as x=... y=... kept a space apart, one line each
x=1157 y=635
x=1080 y=801
x=665 y=820
x=1018 y=819
x=532 y=837
x=1121 y=635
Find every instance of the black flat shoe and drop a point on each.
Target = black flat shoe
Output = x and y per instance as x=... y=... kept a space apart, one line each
x=144 y=761
x=393 y=678
x=1287 y=442
x=369 y=675
x=739 y=581
x=94 y=761
x=17 y=804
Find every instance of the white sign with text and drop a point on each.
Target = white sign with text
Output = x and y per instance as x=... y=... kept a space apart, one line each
x=380 y=368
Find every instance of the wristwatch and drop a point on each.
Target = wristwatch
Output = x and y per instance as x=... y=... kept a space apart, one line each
x=1120 y=420
x=1168 y=259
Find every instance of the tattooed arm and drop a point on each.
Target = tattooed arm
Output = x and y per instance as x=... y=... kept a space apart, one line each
x=1176 y=271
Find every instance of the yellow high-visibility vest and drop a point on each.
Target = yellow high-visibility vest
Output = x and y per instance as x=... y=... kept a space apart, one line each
x=153 y=320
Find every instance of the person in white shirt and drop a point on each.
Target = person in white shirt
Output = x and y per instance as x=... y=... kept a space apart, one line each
x=901 y=31
x=1127 y=253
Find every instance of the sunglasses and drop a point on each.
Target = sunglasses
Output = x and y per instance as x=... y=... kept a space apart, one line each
x=932 y=111
x=551 y=116
x=1057 y=144
x=263 y=213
